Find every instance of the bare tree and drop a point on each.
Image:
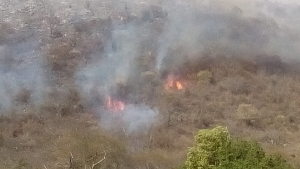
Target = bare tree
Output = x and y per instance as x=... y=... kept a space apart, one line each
x=94 y=164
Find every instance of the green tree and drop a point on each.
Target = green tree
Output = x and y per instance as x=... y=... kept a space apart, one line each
x=215 y=149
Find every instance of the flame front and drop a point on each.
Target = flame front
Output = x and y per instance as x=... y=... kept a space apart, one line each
x=179 y=85
x=114 y=105
x=173 y=83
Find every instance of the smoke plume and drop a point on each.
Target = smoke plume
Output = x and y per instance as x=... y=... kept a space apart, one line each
x=121 y=40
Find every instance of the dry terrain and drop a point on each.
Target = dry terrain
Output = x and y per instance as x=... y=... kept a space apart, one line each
x=128 y=85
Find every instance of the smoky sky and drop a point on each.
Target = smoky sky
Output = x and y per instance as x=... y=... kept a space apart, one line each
x=227 y=29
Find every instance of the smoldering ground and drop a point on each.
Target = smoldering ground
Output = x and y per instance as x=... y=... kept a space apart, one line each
x=140 y=37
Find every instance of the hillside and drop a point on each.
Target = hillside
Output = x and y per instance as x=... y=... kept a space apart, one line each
x=129 y=84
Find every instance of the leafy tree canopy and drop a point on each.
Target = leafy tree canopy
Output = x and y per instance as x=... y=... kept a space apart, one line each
x=215 y=149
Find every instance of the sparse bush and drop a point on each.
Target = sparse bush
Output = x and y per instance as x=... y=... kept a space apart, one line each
x=5 y=29
x=270 y=64
x=236 y=85
x=249 y=115
x=247 y=112
x=23 y=96
x=85 y=148
x=63 y=102
x=204 y=76
x=215 y=149
x=1 y=140
x=224 y=67
x=23 y=164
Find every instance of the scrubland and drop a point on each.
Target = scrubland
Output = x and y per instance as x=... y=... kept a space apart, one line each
x=55 y=115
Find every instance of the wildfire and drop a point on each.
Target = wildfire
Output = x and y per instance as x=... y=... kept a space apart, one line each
x=114 y=105
x=173 y=83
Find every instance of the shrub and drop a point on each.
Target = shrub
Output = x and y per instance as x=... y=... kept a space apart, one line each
x=83 y=147
x=204 y=76
x=215 y=149
x=247 y=113
x=22 y=164
x=1 y=140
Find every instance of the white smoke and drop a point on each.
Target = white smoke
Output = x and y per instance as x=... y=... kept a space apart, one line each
x=190 y=28
x=21 y=69
x=114 y=64
x=133 y=119
x=237 y=28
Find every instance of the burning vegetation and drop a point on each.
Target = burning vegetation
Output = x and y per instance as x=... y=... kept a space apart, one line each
x=114 y=105
x=173 y=83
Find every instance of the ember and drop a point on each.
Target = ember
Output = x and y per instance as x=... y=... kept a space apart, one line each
x=114 y=105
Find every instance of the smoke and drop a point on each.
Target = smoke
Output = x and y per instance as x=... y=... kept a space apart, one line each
x=241 y=29
x=133 y=119
x=142 y=36
x=115 y=65
x=21 y=70
x=189 y=30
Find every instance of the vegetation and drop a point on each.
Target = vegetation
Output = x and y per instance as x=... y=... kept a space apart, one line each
x=255 y=96
x=215 y=149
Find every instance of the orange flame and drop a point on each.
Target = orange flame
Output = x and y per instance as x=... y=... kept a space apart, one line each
x=179 y=85
x=173 y=83
x=114 y=105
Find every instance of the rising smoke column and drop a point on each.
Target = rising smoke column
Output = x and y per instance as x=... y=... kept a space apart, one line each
x=115 y=65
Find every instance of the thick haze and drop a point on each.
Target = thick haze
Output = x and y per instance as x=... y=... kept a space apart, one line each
x=244 y=28
x=173 y=31
x=21 y=73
